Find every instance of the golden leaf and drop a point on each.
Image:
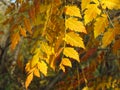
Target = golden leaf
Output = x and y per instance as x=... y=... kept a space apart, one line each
x=75 y=25
x=100 y=25
x=65 y=62
x=62 y=67
x=28 y=80
x=28 y=25
x=73 y=11
x=47 y=49
x=110 y=4
x=42 y=66
x=36 y=72
x=22 y=31
x=108 y=37
x=74 y=39
x=34 y=60
x=71 y=53
x=27 y=67
x=84 y=4
x=91 y=13
x=15 y=38
x=95 y=1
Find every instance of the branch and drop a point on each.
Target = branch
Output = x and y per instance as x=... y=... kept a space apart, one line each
x=5 y=3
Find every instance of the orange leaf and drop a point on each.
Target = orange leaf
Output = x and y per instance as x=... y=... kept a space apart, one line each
x=20 y=61
x=116 y=46
x=22 y=31
x=28 y=80
x=36 y=72
x=15 y=38
x=32 y=13
x=1 y=32
x=37 y=6
x=28 y=25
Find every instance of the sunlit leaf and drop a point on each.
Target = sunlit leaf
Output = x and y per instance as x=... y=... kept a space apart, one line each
x=110 y=4
x=100 y=25
x=42 y=66
x=84 y=4
x=73 y=11
x=36 y=72
x=75 y=25
x=71 y=53
x=91 y=13
x=108 y=37
x=46 y=48
x=34 y=60
x=65 y=62
x=28 y=80
x=74 y=39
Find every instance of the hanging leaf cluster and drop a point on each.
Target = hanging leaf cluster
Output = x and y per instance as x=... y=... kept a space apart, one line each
x=49 y=38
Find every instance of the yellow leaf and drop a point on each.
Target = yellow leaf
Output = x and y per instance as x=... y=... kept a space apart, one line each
x=15 y=38
x=42 y=66
x=73 y=11
x=71 y=53
x=62 y=67
x=91 y=13
x=28 y=25
x=66 y=62
x=108 y=37
x=84 y=4
x=36 y=72
x=100 y=25
x=34 y=60
x=28 y=80
x=95 y=1
x=110 y=4
x=27 y=67
x=85 y=88
x=75 y=25
x=45 y=48
x=74 y=39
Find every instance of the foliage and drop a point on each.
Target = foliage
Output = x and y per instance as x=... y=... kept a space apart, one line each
x=48 y=36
